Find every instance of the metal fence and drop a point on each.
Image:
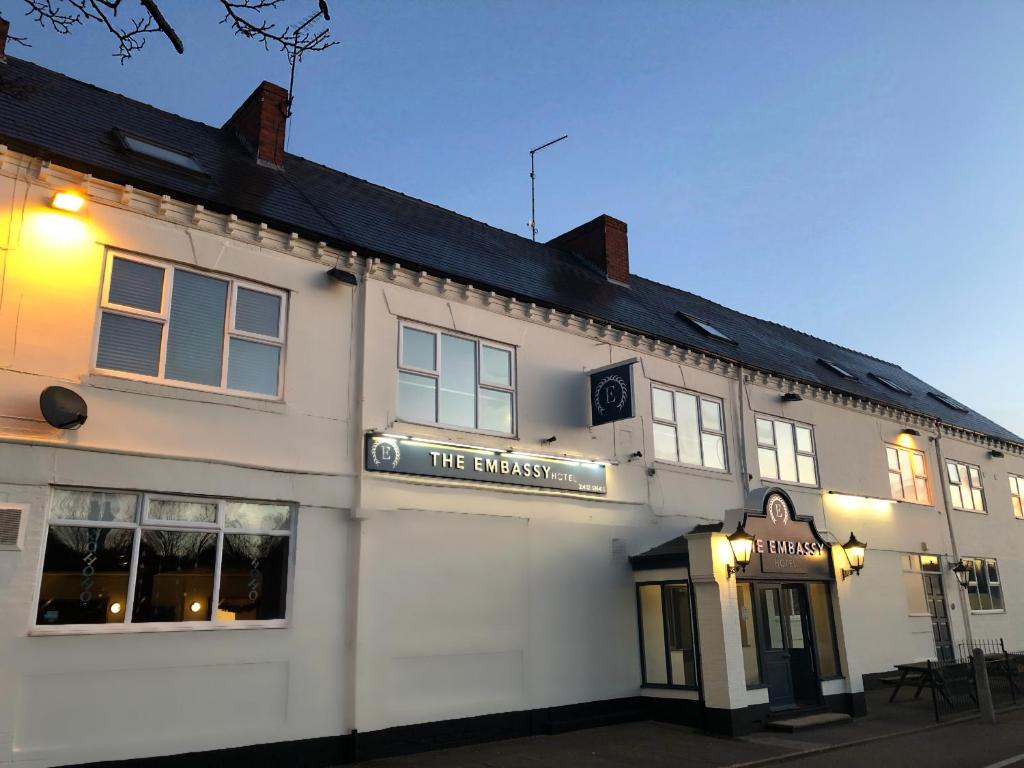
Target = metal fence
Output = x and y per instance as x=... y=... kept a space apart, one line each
x=954 y=685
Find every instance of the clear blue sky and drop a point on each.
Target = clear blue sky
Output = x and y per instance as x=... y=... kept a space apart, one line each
x=852 y=169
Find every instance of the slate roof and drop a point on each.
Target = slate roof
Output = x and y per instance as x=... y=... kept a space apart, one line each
x=72 y=123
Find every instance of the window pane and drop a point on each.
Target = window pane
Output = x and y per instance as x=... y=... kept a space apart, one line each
x=175 y=576
x=773 y=617
x=136 y=285
x=665 y=447
x=821 y=617
x=653 y=628
x=975 y=476
x=993 y=572
x=253 y=577
x=182 y=511
x=748 y=636
x=953 y=472
x=253 y=367
x=662 y=404
x=251 y=516
x=909 y=489
x=714 y=451
x=893 y=458
x=766 y=460
x=680 y=632
x=805 y=469
x=258 y=312
x=955 y=497
x=895 y=485
x=917 y=463
x=921 y=489
x=765 y=434
x=786 y=452
x=129 y=344
x=997 y=598
x=711 y=415
x=418 y=349
x=85 y=575
x=1018 y=509
x=93 y=505
x=458 y=382
x=195 y=333
x=417 y=397
x=804 y=444
x=688 y=432
x=495 y=366
x=979 y=502
x=496 y=411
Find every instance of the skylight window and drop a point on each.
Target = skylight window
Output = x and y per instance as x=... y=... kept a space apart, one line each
x=948 y=402
x=890 y=384
x=836 y=368
x=705 y=327
x=161 y=152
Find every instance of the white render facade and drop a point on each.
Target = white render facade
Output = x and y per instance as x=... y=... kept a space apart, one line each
x=415 y=602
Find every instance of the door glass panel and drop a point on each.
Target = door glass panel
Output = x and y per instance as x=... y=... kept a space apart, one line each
x=794 y=617
x=773 y=619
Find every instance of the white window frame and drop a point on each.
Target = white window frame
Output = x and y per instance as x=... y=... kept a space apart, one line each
x=1017 y=492
x=142 y=523
x=701 y=430
x=973 y=583
x=163 y=317
x=435 y=374
x=901 y=450
x=773 y=447
x=970 y=488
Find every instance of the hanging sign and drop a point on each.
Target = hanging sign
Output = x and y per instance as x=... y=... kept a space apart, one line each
x=786 y=546
x=611 y=393
x=385 y=453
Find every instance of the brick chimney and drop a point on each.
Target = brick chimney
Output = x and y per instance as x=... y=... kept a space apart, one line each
x=260 y=123
x=603 y=243
x=5 y=26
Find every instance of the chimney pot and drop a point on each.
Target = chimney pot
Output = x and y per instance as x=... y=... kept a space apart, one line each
x=260 y=123
x=603 y=242
x=5 y=27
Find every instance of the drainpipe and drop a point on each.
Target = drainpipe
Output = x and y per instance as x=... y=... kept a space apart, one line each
x=741 y=436
x=943 y=483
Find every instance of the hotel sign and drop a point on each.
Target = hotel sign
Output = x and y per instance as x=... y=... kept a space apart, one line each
x=611 y=393
x=786 y=546
x=426 y=459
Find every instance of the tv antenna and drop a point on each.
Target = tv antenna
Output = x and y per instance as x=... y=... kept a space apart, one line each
x=532 y=223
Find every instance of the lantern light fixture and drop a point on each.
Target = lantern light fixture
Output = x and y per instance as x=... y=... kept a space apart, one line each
x=742 y=545
x=962 y=571
x=855 y=551
x=68 y=200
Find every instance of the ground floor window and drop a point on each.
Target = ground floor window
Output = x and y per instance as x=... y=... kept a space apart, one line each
x=984 y=588
x=667 y=635
x=134 y=558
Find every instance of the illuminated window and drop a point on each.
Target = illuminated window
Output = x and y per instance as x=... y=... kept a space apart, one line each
x=455 y=381
x=667 y=636
x=908 y=474
x=785 y=451
x=689 y=429
x=156 y=151
x=135 y=558
x=836 y=368
x=965 y=489
x=890 y=384
x=984 y=589
x=1017 y=496
x=169 y=324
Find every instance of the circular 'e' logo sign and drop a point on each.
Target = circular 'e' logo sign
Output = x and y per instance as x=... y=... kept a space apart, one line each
x=610 y=393
x=777 y=509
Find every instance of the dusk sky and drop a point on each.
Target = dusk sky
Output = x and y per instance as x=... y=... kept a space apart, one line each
x=851 y=169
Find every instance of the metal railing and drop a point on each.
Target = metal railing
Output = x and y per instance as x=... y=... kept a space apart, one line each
x=954 y=683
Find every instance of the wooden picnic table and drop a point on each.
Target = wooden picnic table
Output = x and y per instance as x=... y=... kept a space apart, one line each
x=919 y=672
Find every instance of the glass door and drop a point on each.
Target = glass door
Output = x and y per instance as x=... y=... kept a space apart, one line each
x=787 y=647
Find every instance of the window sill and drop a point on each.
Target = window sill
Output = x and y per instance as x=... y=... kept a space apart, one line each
x=984 y=612
x=154 y=389
x=136 y=629
x=791 y=483
x=693 y=469
x=972 y=511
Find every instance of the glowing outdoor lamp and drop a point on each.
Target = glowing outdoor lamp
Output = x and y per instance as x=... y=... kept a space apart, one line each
x=742 y=544
x=962 y=571
x=854 y=550
x=69 y=201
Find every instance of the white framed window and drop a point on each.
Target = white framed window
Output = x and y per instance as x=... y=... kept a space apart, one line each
x=129 y=558
x=908 y=474
x=984 y=589
x=785 y=451
x=162 y=322
x=965 y=489
x=457 y=381
x=1017 y=496
x=688 y=428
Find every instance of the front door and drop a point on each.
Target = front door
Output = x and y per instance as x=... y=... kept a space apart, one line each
x=787 y=650
x=935 y=597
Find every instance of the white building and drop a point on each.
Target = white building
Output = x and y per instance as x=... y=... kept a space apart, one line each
x=313 y=517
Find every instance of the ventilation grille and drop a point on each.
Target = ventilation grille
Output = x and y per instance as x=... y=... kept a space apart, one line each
x=10 y=528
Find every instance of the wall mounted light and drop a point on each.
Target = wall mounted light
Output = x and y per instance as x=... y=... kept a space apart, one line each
x=791 y=397
x=855 y=551
x=549 y=440
x=994 y=454
x=742 y=545
x=636 y=455
x=962 y=571
x=910 y=432
x=69 y=201
x=342 y=276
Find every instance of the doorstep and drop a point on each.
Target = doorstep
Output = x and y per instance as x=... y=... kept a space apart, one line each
x=806 y=722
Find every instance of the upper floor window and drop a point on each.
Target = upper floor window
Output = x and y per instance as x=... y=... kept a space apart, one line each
x=908 y=474
x=688 y=428
x=455 y=381
x=785 y=451
x=965 y=486
x=984 y=589
x=1017 y=496
x=115 y=557
x=167 y=323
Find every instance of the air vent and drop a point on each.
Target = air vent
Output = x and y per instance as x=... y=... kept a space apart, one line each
x=10 y=528
x=949 y=403
x=890 y=384
x=836 y=368
x=705 y=327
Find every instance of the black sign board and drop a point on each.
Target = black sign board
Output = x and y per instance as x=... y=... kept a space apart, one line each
x=385 y=453
x=786 y=546
x=611 y=393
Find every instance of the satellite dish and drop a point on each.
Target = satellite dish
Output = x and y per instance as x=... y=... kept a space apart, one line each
x=63 y=408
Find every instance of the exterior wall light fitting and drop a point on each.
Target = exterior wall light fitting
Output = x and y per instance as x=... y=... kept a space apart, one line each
x=791 y=397
x=68 y=201
x=910 y=432
x=336 y=273
x=855 y=551
x=742 y=544
x=962 y=571
x=994 y=454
